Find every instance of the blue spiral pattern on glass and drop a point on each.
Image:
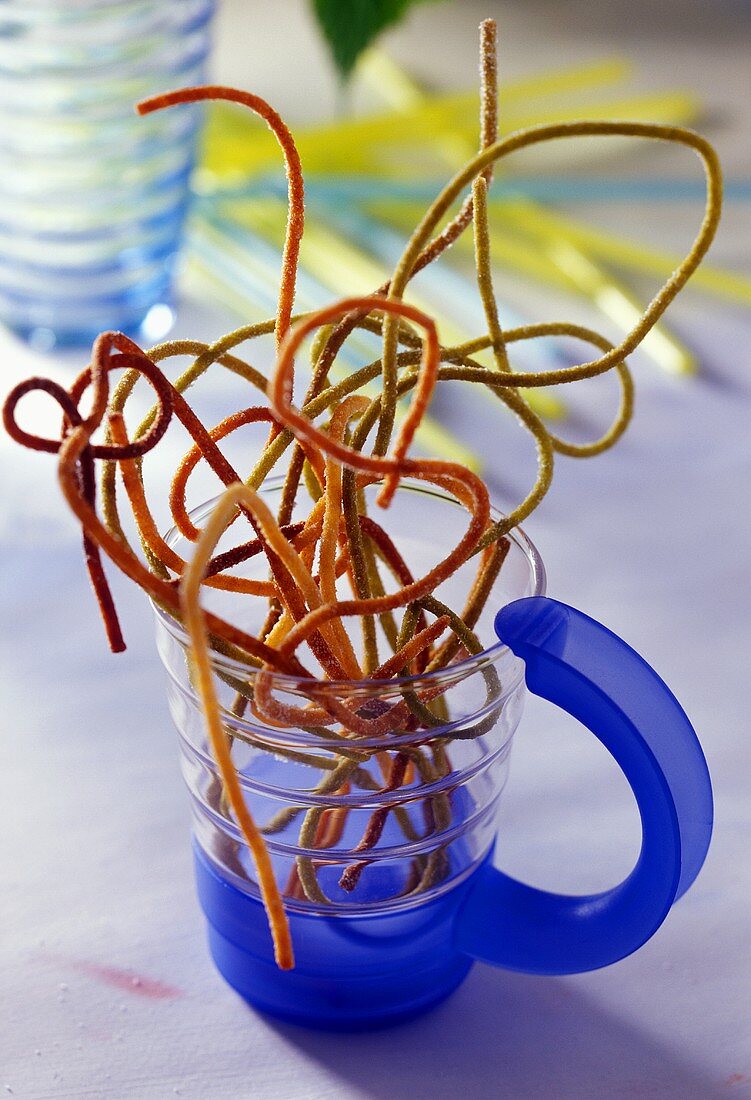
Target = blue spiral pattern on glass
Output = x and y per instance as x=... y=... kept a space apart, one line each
x=93 y=198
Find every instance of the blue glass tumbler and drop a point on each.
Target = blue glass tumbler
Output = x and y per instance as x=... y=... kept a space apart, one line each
x=92 y=197
x=384 y=932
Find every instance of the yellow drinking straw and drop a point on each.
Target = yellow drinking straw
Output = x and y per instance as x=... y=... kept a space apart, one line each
x=620 y=250
x=374 y=144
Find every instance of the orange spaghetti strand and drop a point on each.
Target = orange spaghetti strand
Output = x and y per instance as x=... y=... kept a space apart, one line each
x=376 y=824
x=195 y=622
x=295 y=184
x=349 y=408
x=151 y=535
x=71 y=449
x=178 y=489
x=304 y=429
x=471 y=491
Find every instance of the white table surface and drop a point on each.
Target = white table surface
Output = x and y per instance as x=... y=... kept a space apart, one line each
x=107 y=989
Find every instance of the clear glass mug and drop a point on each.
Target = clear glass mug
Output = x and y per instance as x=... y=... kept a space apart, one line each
x=383 y=932
x=93 y=198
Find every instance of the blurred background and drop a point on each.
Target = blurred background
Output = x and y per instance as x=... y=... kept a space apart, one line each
x=652 y=538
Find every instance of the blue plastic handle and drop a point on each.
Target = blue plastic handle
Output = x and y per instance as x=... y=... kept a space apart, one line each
x=587 y=670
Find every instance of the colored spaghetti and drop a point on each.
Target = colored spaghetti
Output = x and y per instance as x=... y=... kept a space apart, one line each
x=338 y=441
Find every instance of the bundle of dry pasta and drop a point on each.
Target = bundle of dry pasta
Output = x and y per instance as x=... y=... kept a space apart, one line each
x=340 y=439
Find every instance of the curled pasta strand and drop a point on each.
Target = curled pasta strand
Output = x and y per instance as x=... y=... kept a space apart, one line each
x=295 y=184
x=196 y=626
x=535 y=135
x=71 y=449
x=304 y=429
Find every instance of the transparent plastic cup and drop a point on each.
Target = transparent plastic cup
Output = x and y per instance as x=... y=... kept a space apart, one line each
x=92 y=197
x=383 y=933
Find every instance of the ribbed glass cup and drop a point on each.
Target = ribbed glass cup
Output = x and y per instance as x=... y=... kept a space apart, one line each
x=92 y=197
x=439 y=824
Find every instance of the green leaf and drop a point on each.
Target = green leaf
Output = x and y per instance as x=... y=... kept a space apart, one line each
x=349 y=26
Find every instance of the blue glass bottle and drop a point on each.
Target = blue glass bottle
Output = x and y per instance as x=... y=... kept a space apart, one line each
x=92 y=197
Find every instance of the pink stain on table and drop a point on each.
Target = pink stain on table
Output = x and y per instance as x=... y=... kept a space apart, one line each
x=128 y=981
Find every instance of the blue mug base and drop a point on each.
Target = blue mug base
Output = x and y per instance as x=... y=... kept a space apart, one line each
x=352 y=973
x=323 y=1004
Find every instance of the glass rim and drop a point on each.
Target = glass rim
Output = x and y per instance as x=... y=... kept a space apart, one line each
x=317 y=686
